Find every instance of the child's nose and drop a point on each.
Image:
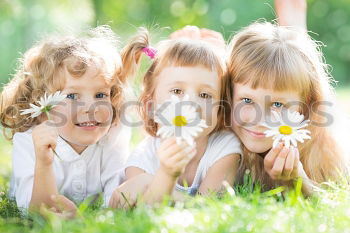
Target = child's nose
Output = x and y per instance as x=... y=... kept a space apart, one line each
x=88 y=106
x=194 y=101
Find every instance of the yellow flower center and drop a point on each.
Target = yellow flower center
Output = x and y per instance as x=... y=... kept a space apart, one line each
x=180 y=121
x=286 y=130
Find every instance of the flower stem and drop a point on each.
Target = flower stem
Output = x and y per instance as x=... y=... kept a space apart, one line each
x=54 y=151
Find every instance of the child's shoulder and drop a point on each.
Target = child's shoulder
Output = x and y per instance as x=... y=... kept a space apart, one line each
x=224 y=142
x=23 y=145
x=23 y=137
x=117 y=135
x=224 y=137
x=148 y=144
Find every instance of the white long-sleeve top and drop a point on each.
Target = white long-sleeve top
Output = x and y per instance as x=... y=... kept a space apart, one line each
x=99 y=168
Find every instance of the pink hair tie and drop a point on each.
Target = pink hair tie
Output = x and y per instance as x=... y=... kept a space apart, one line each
x=150 y=51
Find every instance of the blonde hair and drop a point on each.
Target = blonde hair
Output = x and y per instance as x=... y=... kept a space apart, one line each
x=269 y=56
x=39 y=68
x=178 y=52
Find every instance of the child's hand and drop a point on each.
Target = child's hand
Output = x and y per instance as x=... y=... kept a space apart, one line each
x=62 y=207
x=193 y=32
x=126 y=195
x=283 y=163
x=173 y=157
x=213 y=37
x=45 y=139
x=291 y=13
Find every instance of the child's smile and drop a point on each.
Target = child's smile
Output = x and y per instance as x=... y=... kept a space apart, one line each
x=87 y=109
x=253 y=107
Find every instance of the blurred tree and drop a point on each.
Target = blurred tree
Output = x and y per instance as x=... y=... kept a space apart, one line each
x=22 y=22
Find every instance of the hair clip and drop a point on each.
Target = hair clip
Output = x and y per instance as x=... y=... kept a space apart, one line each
x=150 y=51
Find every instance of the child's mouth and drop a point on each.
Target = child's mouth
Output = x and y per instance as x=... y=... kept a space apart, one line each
x=255 y=133
x=88 y=124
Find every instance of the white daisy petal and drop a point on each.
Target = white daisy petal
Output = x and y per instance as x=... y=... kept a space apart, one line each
x=45 y=102
x=275 y=143
x=294 y=142
x=181 y=118
x=289 y=134
x=178 y=140
x=269 y=133
x=286 y=142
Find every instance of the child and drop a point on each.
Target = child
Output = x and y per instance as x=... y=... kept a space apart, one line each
x=158 y=167
x=83 y=130
x=274 y=68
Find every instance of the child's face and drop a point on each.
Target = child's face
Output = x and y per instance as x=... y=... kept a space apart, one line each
x=200 y=84
x=251 y=107
x=86 y=114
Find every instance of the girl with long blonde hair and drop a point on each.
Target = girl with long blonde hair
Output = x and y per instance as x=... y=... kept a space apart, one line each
x=274 y=68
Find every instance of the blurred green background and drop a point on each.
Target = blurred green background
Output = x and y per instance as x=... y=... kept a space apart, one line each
x=22 y=22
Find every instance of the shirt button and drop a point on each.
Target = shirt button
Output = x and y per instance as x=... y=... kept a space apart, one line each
x=79 y=186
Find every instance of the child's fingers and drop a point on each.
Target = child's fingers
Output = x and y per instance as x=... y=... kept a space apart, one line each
x=210 y=33
x=185 y=153
x=296 y=163
x=192 y=32
x=271 y=156
x=188 y=31
x=111 y=203
x=63 y=204
x=168 y=142
x=289 y=165
x=173 y=149
x=277 y=168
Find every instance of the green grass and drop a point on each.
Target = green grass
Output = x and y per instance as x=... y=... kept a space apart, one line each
x=244 y=209
x=243 y=212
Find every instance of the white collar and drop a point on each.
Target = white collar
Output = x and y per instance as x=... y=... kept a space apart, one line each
x=68 y=154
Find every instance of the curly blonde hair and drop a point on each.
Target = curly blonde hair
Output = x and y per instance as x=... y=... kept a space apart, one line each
x=39 y=67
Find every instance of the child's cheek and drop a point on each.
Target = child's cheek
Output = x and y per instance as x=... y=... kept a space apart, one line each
x=209 y=113
x=61 y=114
x=104 y=114
x=246 y=115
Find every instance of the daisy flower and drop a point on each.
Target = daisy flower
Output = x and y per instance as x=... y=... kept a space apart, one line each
x=180 y=119
x=288 y=133
x=45 y=104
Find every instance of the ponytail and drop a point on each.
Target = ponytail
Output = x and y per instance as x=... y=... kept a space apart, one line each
x=131 y=53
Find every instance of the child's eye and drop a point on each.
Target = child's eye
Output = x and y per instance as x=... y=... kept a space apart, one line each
x=205 y=96
x=247 y=100
x=101 y=95
x=72 y=96
x=177 y=91
x=277 y=104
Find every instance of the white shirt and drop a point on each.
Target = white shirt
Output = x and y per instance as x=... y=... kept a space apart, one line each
x=220 y=144
x=99 y=168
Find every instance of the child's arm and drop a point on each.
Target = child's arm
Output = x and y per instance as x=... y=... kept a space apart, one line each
x=173 y=161
x=114 y=157
x=44 y=139
x=125 y=196
x=224 y=169
x=291 y=13
x=193 y=32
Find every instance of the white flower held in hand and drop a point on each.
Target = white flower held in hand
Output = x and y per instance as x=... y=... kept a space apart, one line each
x=46 y=103
x=180 y=119
x=288 y=133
